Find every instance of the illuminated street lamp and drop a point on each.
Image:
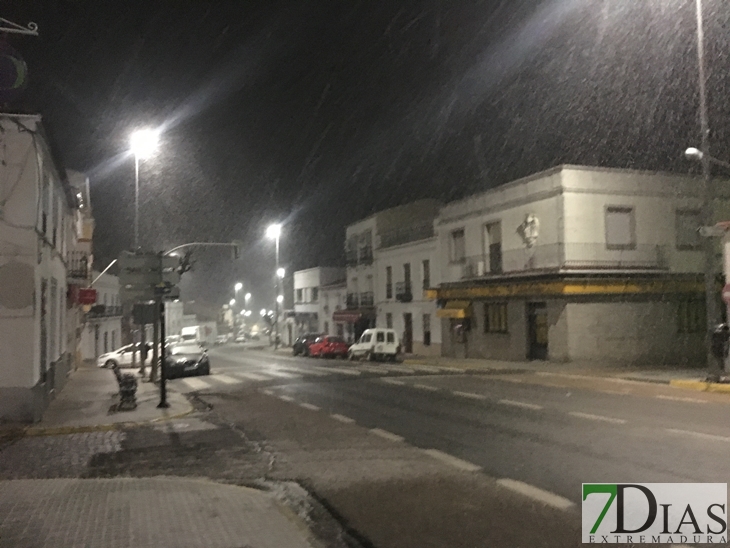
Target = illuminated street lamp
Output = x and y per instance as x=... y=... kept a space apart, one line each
x=143 y=144
x=238 y=287
x=274 y=231
x=280 y=299
x=263 y=312
x=232 y=302
x=280 y=272
x=248 y=313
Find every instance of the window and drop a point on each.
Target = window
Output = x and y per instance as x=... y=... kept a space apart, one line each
x=426 y=267
x=691 y=316
x=493 y=233
x=366 y=338
x=114 y=340
x=389 y=320
x=620 y=227
x=380 y=336
x=458 y=246
x=326 y=327
x=495 y=318
x=315 y=294
x=407 y=276
x=688 y=221
x=300 y=295
x=427 y=329
x=391 y=337
x=388 y=282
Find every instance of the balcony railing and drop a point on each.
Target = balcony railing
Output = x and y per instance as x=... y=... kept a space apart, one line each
x=571 y=256
x=404 y=235
x=104 y=311
x=353 y=301
x=403 y=292
x=367 y=299
x=365 y=255
x=77 y=264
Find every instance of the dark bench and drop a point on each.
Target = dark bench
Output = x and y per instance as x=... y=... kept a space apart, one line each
x=127 y=389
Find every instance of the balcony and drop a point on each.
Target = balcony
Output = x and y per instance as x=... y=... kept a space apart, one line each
x=403 y=292
x=353 y=302
x=562 y=257
x=365 y=255
x=367 y=299
x=77 y=265
x=103 y=311
x=350 y=257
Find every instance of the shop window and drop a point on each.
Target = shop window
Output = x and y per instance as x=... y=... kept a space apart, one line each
x=495 y=318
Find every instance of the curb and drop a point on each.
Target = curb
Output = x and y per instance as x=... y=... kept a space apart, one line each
x=63 y=430
x=701 y=386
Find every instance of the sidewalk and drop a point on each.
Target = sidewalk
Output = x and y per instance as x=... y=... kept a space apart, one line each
x=143 y=513
x=88 y=403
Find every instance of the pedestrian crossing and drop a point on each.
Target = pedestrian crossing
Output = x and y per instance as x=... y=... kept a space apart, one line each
x=231 y=378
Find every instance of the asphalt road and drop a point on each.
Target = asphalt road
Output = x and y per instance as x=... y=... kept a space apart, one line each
x=538 y=438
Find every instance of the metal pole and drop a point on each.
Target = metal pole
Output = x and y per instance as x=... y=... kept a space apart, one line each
x=143 y=349
x=276 y=301
x=136 y=202
x=163 y=387
x=156 y=343
x=707 y=201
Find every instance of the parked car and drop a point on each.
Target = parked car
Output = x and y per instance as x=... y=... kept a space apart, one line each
x=376 y=344
x=221 y=339
x=329 y=347
x=121 y=357
x=301 y=345
x=186 y=358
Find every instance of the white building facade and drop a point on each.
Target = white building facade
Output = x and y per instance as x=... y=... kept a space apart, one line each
x=577 y=263
x=102 y=330
x=37 y=234
x=311 y=311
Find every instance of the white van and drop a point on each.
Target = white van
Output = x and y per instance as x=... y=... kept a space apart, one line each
x=376 y=344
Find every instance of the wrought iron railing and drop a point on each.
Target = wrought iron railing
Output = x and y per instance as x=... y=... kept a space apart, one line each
x=403 y=292
x=367 y=299
x=77 y=264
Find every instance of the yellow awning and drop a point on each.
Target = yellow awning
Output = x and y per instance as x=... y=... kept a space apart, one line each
x=455 y=309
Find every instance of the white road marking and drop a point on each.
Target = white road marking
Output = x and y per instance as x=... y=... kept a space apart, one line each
x=309 y=406
x=252 y=376
x=343 y=370
x=521 y=404
x=678 y=398
x=393 y=381
x=599 y=418
x=425 y=387
x=302 y=371
x=342 y=418
x=226 y=379
x=400 y=369
x=470 y=395
x=615 y=392
x=540 y=495
x=286 y=398
x=428 y=368
x=453 y=461
x=267 y=392
x=196 y=384
x=282 y=374
x=385 y=434
x=699 y=435
x=452 y=369
x=372 y=369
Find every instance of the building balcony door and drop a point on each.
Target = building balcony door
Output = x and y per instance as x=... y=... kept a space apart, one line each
x=408 y=333
x=537 y=331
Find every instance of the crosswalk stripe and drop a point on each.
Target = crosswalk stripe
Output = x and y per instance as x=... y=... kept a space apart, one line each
x=252 y=376
x=400 y=369
x=339 y=370
x=282 y=374
x=303 y=371
x=371 y=369
x=226 y=379
x=195 y=384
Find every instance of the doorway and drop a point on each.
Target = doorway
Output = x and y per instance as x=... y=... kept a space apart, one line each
x=537 y=331
x=408 y=333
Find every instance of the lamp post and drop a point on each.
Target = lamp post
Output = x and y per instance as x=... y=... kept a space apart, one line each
x=143 y=144
x=274 y=231
x=703 y=156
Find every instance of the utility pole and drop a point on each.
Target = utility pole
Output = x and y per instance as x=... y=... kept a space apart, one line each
x=276 y=301
x=707 y=201
x=163 y=379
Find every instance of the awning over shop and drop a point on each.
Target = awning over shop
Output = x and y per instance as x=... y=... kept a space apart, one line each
x=455 y=309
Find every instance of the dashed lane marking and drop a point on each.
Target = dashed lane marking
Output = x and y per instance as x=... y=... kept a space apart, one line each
x=678 y=398
x=286 y=398
x=372 y=369
x=282 y=374
x=252 y=376
x=342 y=370
x=385 y=434
x=310 y=406
x=400 y=369
x=522 y=404
x=425 y=387
x=393 y=381
x=469 y=395
x=267 y=392
x=699 y=435
x=535 y=493
x=226 y=379
x=342 y=418
x=195 y=384
x=453 y=461
x=599 y=418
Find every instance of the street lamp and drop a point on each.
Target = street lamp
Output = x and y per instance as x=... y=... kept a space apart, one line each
x=280 y=299
x=247 y=296
x=143 y=144
x=697 y=155
x=274 y=231
x=232 y=302
x=238 y=287
x=263 y=312
x=280 y=272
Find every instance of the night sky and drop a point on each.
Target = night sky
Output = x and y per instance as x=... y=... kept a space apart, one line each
x=318 y=113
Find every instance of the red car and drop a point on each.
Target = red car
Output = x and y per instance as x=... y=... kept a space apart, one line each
x=329 y=347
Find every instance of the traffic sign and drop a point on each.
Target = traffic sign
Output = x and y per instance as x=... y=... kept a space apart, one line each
x=726 y=293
